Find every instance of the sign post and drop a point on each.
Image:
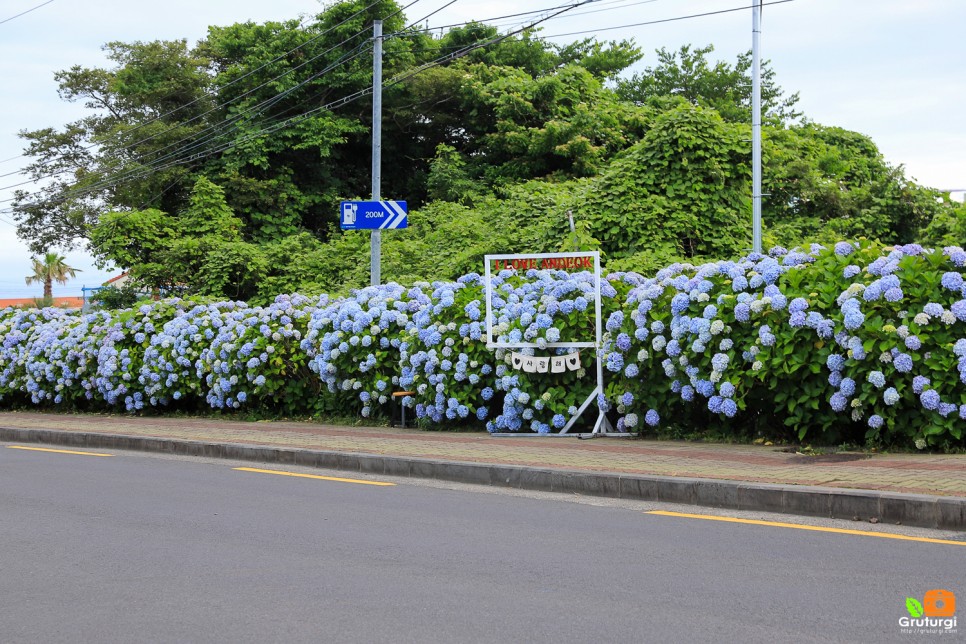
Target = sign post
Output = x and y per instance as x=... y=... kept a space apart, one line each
x=375 y=239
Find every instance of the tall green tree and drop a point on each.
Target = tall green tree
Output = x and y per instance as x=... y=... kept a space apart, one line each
x=688 y=74
x=52 y=268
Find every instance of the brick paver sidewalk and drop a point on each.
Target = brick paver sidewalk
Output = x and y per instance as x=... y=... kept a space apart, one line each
x=911 y=473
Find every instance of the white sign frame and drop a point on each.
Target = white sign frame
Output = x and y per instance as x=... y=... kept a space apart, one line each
x=602 y=426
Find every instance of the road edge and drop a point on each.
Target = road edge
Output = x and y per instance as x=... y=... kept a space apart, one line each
x=921 y=510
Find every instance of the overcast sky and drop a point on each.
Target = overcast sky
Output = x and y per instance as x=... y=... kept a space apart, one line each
x=891 y=69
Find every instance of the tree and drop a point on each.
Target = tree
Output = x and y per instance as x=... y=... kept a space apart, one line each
x=827 y=183
x=687 y=74
x=52 y=269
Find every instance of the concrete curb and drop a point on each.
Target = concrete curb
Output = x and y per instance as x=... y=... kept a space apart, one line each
x=922 y=510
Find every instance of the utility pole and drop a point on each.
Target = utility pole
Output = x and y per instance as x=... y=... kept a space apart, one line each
x=756 y=127
x=375 y=241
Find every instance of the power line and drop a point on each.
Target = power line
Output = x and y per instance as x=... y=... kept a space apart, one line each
x=656 y=22
x=222 y=124
x=175 y=159
x=243 y=76
x=158 y=164
x=138 y=173
x=23 y=13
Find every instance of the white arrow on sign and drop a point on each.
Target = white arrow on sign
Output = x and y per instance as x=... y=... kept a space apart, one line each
x=396 y=215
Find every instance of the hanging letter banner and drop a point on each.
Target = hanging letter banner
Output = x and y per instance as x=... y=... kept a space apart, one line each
x=553 y=364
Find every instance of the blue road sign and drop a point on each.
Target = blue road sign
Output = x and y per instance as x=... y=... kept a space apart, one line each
x=373 y=215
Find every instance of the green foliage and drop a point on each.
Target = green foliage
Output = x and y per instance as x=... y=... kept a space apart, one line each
x=116 y=297
x=190 y=170
x=688 y=74
x=828 y=183
x=679 y=193
x=948 y=226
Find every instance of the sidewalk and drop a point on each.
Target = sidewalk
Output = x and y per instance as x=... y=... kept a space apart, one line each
x=613 y=461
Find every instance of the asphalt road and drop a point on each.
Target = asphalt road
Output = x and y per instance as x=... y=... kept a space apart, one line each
x=140 y=548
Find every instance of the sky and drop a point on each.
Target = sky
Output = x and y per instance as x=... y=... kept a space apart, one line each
x=894 y=70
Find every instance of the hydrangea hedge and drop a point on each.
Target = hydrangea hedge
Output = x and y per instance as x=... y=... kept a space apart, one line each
x=833 y=343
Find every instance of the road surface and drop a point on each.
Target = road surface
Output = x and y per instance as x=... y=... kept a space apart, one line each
x=136 y=547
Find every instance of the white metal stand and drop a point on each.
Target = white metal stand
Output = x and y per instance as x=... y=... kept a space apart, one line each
x=602 y=426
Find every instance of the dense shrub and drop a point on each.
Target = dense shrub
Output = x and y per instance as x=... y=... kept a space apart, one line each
x=827 y=342
x=852 y=342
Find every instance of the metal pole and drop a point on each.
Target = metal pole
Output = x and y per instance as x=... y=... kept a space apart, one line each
x=375 y=241
x=756 y=127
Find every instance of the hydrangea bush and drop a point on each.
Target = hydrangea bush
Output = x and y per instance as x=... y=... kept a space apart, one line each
x=824 y=340
x=848 y=341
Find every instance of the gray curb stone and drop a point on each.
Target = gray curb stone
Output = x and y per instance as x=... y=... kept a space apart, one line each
x=948 y=513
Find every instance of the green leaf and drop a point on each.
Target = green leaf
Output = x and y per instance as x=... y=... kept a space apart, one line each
x=914 y=607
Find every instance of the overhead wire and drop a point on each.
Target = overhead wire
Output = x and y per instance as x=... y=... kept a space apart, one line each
x=171 y=160
x=245 y=75
x=214 y=109
x=657 y=22
x=23 y=13
x=212 y=132
x=133 y=174
x=222 y=127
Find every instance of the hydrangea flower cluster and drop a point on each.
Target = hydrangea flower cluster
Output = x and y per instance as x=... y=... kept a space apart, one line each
x=851 y=336
x=718 y=336
x=171 y=352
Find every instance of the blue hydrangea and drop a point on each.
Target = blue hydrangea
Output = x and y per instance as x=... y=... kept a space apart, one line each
x=838 y=401
x=877 y=379
x=919 y=383
x=893 y=294
x=933 y=309
x=847 y=387
x=903 y=363
x=929 y=399
x=890 y=396
x=623 y=342
x=835 y=362
x=844 y=249
x=952 y=281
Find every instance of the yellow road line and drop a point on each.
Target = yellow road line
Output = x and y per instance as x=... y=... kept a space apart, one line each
x=776 y=524
x=313 y=476
x=56 y=451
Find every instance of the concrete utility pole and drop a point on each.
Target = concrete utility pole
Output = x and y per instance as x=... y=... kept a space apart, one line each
x=375 y=241
x=756 y=127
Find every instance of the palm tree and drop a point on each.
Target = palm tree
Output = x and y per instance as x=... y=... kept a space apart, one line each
x=52 y=269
